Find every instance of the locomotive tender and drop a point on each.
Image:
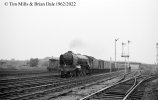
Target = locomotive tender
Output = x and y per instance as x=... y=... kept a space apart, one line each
x=72 y=64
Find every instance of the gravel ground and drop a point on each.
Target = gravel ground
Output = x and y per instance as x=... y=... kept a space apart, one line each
x=151 y=91
x=78 y=93
x=81 y=91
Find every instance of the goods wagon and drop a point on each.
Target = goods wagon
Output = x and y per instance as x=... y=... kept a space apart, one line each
x=72 y=64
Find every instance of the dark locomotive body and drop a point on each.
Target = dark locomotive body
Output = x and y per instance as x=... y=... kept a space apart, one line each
x=74 y=64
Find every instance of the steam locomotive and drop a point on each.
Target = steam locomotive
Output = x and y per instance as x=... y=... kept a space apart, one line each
x=71 y=64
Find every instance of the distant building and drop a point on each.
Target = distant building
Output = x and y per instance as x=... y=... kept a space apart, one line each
x=3 y=63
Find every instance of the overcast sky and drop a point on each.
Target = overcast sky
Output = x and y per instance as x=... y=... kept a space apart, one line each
x=88 y=28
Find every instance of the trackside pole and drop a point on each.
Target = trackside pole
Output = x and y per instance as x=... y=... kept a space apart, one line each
x=125 y=66
x=126 y=56
x=115 y=53
x=110 y=64
x=157 y=54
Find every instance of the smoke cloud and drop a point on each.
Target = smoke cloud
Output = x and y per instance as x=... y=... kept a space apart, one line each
x=90 y=48
x=76 y=44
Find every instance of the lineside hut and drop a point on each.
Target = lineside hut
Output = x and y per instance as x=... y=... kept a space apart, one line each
x=53 y=64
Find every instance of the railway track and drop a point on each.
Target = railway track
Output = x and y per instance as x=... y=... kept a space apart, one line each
x=24 y=86
x=27 y=84
x=15 y=84
x=116 y=91
x=138 y=91
x=25 y=79
x=33 y=92
x=14 y=78
x=19 y=73
x=81 y=91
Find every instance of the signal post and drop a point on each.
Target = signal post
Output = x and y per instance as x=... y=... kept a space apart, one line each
x=126 y=56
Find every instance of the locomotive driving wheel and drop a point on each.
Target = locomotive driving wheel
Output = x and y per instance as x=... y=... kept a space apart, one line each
x=62 y=74
x=71 y=74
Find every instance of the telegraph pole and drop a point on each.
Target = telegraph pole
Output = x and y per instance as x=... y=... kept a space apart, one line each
x=115 y=53
x=110 y=64
x=128 y=52
x=123 y=53
x=157 y=53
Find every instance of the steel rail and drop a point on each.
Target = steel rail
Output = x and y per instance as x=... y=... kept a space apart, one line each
x=87 y=85
x=25 y=86
x=26 y=77
x=82 y=80
x=54 y=89
x=108 y=87
x=137 y=85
